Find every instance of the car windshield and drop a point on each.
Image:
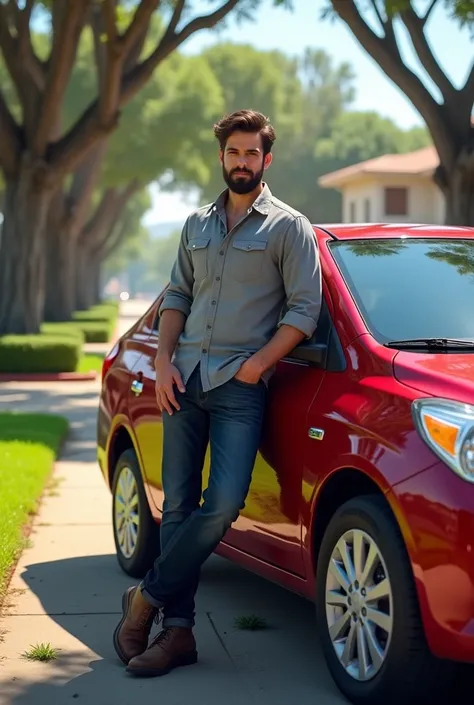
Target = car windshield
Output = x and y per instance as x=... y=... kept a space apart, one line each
x=411 y=288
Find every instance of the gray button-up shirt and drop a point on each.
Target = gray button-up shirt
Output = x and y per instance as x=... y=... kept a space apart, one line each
x=237 y=287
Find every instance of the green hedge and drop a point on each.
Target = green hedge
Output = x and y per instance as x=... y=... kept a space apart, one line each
x=88 y=331
x=68 y=330
x=99 y=313
x=96 y=331
x=39 y=353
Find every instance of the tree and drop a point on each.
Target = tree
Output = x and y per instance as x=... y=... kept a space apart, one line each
x=302 y=96
x=164 y=130
x=122 y=244
x=358 y=136
x=36 y=155
x=448 y=120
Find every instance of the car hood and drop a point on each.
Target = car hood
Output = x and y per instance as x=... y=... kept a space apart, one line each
x=446 y=375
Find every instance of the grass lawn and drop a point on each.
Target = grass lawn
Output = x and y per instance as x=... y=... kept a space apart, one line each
x=29 y=444
x=90 y=363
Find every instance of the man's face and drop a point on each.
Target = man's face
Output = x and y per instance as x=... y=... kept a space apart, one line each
x=243 y=162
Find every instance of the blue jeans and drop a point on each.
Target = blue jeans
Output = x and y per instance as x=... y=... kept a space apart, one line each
x=230 y=418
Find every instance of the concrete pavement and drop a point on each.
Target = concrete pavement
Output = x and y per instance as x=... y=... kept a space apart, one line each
x=67 y=590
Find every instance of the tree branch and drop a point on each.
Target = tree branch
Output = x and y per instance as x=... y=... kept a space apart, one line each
x=392 y=64
x=9 y=140
x=66 y=154
x=109 y=18
x=375 y=8
x=101 y=217
x=428 y=12
x=140 y=20
x=25 y=87
x=467 y=91
x=178 y=11
x=116 y=237
x=114 y=214
x=415 y=27
x=80 y=194
x=109 y=59
x=34 y=65
x=63 y=53
x=137 y=78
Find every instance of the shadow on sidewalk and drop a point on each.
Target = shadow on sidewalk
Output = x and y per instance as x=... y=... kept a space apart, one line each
x=278 y=665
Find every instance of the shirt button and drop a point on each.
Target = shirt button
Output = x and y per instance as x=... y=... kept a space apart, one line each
x=221 y=252
x=205 y=352
x=209 y=327
x=213 y=303
x=218 y=279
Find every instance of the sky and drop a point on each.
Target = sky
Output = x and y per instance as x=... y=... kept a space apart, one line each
x=293 y=31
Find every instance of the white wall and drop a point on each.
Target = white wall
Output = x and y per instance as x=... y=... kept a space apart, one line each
x=425 y=200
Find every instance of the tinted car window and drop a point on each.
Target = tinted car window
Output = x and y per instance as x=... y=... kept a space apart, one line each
x=411 y=288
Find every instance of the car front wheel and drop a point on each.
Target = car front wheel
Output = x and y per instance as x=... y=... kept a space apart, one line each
x=136 y=534
x=368 y=615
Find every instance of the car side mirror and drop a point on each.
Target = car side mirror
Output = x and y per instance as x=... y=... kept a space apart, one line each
x=315 y=354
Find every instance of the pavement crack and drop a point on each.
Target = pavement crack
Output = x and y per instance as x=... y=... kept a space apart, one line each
x=221 y=640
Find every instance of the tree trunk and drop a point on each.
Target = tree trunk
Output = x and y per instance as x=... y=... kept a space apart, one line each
x=23 y=253
x=85 y=279
x=458 y=188
x=96 y=280
x=60 y=268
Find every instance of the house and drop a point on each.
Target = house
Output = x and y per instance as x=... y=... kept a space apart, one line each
x=394 y=188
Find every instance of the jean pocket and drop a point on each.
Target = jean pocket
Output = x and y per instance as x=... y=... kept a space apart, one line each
x=247 y=385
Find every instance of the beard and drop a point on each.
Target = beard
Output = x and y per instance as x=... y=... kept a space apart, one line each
x=242 y=184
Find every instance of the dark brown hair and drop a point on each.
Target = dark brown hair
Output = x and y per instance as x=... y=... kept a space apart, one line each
x=245 y=121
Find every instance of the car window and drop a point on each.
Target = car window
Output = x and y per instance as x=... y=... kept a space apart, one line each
x=411 y=288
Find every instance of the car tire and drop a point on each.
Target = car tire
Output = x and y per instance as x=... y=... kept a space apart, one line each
x=136 y=534
x=403 y=669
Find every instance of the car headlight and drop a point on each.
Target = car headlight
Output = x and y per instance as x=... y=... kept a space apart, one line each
x=448 y=428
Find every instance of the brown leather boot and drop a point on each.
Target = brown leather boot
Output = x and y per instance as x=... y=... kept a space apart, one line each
x=132 y=632
x=173 y=647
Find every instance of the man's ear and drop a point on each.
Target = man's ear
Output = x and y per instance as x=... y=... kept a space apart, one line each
x=221 y=156
x=268 y=160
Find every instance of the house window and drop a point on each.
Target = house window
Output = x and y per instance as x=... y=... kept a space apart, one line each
x=396 y=201
x=367 y=210
x=352 y=212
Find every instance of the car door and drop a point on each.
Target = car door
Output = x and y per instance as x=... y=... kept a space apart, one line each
x=144 y=414
x=270 y=526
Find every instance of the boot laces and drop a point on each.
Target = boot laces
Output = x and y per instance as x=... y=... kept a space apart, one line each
x=163 y=637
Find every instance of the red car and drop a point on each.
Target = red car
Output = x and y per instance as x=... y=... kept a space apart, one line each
x=362 y=497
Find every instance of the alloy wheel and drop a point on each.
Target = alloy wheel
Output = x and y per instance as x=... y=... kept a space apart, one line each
x=359 y=605
x=126 y=511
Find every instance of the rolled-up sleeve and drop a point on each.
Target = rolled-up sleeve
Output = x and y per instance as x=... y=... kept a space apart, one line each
x=301 y=272
x=179 y=295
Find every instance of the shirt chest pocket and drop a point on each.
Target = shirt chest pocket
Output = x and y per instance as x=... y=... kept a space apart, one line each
x=246 y=259
x=199 y=249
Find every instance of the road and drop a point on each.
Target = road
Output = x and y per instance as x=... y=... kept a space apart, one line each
x=67 y=590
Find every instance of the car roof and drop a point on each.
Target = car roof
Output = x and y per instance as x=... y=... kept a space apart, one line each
x=346 y=231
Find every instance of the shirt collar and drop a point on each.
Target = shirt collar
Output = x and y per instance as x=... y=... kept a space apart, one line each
x=261 y=204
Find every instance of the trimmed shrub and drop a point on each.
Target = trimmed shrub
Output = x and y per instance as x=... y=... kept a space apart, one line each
x=68 y=330
x=39 y=353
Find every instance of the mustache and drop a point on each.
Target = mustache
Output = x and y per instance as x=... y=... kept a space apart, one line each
x=241 y=171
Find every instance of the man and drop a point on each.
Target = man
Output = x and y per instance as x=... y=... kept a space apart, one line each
x=240 y=261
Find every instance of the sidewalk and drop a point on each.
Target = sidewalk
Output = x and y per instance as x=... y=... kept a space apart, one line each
x=67 y=591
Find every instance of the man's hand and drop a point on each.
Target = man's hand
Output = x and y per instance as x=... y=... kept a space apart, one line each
x=167 y=375
x=250 y=372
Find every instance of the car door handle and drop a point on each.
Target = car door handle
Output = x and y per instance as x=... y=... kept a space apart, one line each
x=136 y=387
